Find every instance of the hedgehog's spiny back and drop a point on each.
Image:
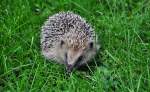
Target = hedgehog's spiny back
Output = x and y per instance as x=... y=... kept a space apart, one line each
x=60 y=25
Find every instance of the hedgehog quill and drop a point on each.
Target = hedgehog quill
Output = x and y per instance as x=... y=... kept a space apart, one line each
x=68 y=39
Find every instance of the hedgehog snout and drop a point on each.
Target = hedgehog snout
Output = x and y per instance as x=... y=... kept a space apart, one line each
x=69 y=68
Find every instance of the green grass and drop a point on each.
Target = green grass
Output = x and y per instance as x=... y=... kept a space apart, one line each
x=123 y=27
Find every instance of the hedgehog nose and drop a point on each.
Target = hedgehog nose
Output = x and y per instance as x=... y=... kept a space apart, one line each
x=69 y=68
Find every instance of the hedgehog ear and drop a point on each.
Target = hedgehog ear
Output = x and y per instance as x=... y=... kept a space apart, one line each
x=62 y=43
x=91 y=45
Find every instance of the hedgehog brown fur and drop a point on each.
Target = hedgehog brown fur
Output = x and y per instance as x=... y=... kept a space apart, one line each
x=68 y=39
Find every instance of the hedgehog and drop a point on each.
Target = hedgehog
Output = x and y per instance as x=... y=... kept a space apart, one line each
x=68 y=39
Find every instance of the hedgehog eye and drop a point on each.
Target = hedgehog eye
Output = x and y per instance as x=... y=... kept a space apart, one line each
x=91 y=45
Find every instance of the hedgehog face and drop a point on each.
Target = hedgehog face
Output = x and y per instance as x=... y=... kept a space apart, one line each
x=74 y=57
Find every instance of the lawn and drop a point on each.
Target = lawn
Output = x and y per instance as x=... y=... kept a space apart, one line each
x=121 y=65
